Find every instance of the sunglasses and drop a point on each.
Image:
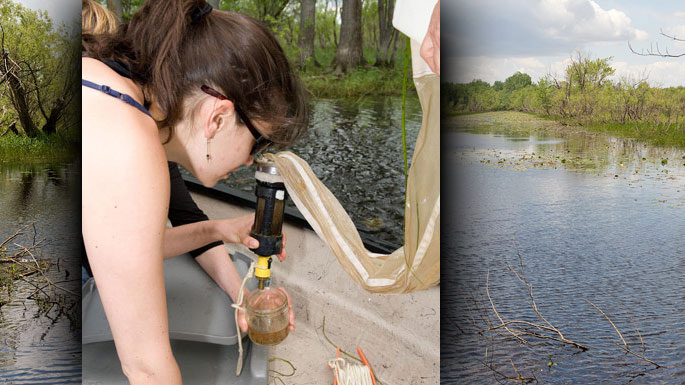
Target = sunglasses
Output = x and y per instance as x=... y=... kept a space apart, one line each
x=261 y=143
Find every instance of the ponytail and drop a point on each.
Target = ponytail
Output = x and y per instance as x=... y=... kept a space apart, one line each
x=173 y=47
x=156 y=34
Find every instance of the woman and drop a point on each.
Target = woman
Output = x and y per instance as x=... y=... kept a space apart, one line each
x=204 y=88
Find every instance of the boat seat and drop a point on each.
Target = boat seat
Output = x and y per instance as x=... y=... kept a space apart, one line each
x=201 y=329
x=198 y=309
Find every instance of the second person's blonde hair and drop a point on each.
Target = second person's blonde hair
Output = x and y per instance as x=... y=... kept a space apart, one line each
x=96 y=19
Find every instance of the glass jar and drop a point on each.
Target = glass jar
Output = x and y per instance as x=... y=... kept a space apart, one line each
x=267 y=316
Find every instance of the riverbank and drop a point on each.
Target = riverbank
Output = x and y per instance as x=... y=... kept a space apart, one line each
x=366 y=81
x=662 y=135
x=54 y=147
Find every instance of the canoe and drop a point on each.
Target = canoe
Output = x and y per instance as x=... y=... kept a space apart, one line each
x=399 y=334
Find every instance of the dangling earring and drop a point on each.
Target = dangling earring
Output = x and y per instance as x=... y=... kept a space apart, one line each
x=209 y=157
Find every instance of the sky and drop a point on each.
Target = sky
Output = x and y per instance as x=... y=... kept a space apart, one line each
x=492 y=39
x=60 y=11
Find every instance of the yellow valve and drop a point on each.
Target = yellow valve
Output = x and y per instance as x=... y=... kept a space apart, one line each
x=263 y=268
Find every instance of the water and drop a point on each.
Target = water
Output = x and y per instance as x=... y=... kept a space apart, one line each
x=355 y=148
x=593 y=217
x=34 y=348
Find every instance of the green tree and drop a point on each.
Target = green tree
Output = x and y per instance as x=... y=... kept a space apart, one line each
x=517 y=81
x=37 y=74
x=543 y=93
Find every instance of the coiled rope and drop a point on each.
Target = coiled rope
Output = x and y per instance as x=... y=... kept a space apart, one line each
x=349 y=374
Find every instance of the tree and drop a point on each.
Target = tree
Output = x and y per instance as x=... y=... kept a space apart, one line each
x=350 y=54
x=36 y=69
x=307 y=33
x=386 y=32
x=586 y=73
x=268 y=11
x=517 y=81
x=543 y=93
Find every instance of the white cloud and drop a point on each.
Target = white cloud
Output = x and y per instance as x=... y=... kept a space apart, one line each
x=583 y=21
x=659 y=74
x=491 y=69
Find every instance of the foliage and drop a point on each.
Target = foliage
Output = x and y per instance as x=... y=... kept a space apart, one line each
x=586 y=96
x=517 y=81
x=14 y=147
x=319 y=80
x=37 y=87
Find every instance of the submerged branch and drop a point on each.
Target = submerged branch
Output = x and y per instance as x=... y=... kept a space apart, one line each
x=625 y=346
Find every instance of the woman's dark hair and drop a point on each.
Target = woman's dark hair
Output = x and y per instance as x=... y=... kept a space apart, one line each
x=172 y=56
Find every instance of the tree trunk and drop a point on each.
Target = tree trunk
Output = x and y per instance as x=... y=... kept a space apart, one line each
x=270 y=10
x=21 y=106
x=116 y=7
x=214 y=3
x=307 y=33
x=350 y=52
x=56 y=111
x=335 y=26
x=387 y=33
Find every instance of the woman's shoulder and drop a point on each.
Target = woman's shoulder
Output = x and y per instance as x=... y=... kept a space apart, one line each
x=101 y=111
x=114 y=133
x=98 y=72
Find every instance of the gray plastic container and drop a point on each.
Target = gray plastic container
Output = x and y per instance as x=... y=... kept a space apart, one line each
x=201 y=328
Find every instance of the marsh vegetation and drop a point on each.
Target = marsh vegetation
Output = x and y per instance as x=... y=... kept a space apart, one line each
x=584 y=95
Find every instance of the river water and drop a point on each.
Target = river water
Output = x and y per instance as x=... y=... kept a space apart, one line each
x=355 y=148
x=593 y=218
x=38 y=348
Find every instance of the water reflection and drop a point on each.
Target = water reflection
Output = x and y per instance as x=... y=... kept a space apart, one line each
x=34 y=347
x=593 y=217
x=355 y=148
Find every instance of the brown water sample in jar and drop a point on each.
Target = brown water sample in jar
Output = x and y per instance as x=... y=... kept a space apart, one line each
x=268 y=338
x=267 y=316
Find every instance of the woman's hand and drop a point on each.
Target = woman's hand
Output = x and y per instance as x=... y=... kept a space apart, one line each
x=237 y=230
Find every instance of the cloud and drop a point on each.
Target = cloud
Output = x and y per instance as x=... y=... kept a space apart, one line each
x=527 y=28
x=491 y=69
x=665 y=73
x=584 y=21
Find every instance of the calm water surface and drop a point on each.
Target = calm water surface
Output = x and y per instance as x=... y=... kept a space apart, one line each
x=355 y=148
x=35 y=349
x=593 y=217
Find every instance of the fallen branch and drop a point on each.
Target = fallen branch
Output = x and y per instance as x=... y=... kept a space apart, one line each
x=625 y=345
x=519 y=333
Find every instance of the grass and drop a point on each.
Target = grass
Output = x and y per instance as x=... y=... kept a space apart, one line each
x=665 y=135
x=50 y=147
x=322 y=82
x=659 y=134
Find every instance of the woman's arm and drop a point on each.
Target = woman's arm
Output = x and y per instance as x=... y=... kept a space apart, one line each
x=184 y=238
x=124 y=206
